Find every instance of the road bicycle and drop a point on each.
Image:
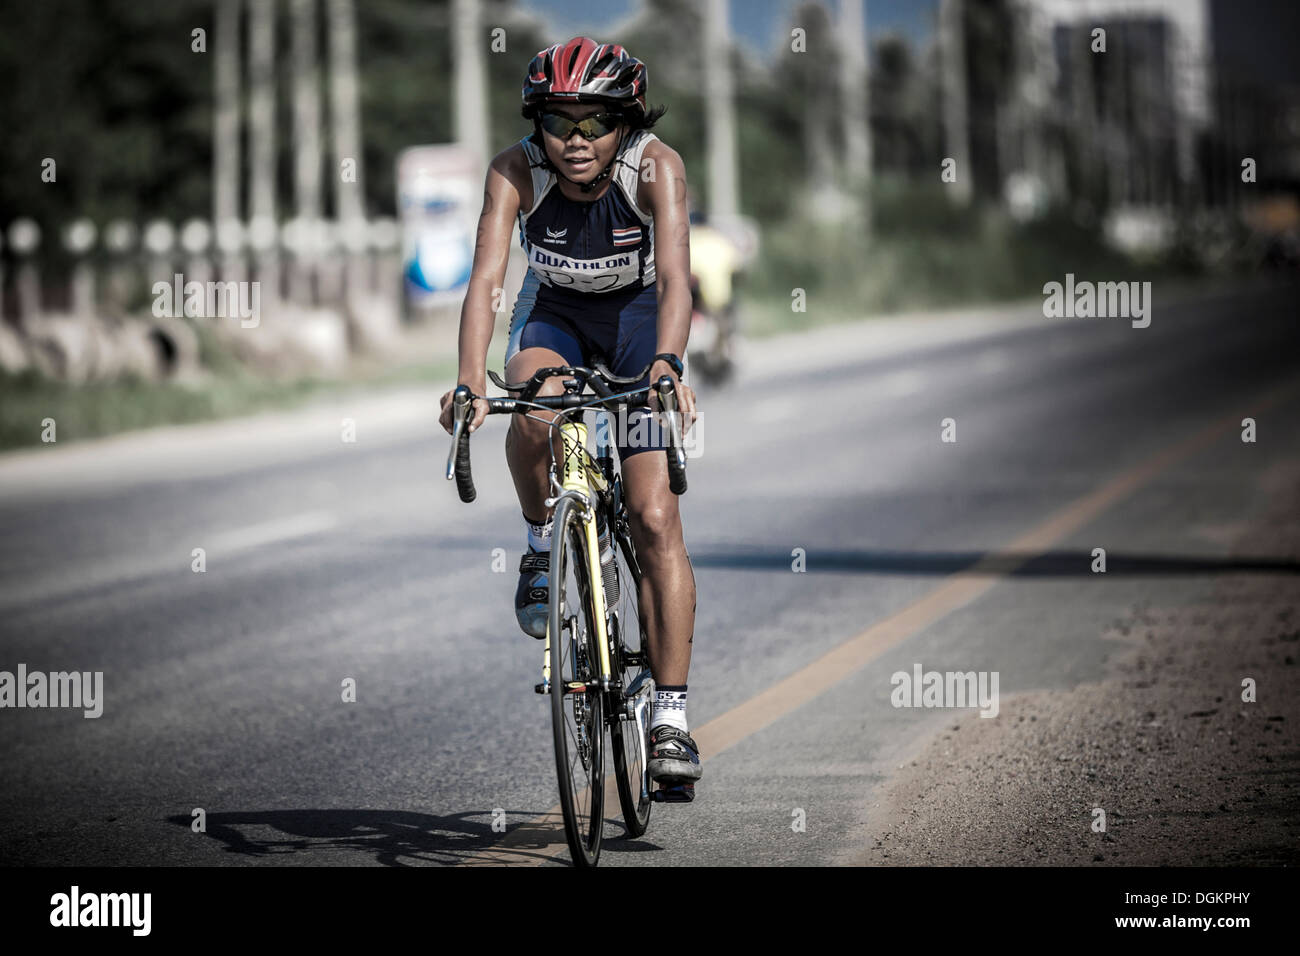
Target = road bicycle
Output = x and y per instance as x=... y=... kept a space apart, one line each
x=595 y=665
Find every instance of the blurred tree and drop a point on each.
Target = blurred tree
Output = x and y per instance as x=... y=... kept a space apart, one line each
x=345 y=113
x=666 y=38
x=226 y=54
x=263 y=116
x=898 y=113
x=512 y=37
x=990 y=30
x=113 y=92
x=814 y=71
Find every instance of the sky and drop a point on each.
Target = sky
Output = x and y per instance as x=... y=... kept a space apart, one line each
x=753 y=22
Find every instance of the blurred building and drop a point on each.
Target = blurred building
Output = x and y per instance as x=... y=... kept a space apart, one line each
x=1063 y=100
x=1138 y=108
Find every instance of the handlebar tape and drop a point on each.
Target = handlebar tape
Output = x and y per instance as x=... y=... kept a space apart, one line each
x=464 y=477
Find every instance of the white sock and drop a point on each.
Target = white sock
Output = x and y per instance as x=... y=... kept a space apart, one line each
x=670 y=708
x=539 y=535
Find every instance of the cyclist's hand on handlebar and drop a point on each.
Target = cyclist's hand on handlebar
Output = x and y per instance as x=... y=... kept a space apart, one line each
x=685 y=394
x=480 y=408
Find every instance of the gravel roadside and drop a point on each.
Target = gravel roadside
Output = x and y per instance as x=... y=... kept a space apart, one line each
x=1186 y=772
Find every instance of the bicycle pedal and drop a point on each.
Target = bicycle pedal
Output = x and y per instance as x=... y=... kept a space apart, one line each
x=541 y=689
x=681 y=793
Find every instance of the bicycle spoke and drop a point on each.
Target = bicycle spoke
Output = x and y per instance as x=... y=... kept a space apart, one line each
x=627 y=737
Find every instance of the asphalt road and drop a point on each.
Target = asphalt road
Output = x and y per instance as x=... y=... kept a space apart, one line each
x=328 y=560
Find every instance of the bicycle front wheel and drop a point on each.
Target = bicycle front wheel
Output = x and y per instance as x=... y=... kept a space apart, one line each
x=577 y=711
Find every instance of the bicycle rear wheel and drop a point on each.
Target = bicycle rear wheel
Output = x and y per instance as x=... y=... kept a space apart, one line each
x=631 y=666
x=577 y=703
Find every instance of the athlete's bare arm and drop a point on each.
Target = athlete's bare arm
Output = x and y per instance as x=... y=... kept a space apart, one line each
x=507 y=177
x=662 y=191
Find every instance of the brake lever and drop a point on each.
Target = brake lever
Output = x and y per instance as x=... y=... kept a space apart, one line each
x=462 y=403
x=668 y=405
x=671 y=410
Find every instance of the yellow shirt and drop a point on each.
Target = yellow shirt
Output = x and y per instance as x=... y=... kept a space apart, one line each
x=713 y=260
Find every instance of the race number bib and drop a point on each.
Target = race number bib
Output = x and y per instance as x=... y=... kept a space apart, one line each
x=605 y=274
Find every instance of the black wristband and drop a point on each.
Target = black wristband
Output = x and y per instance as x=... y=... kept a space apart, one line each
x=672 y=360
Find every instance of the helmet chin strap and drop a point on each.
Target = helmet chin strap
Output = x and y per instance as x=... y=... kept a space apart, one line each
x=588 y=187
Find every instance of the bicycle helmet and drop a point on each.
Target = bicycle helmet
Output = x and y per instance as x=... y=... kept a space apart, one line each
x=584 y=71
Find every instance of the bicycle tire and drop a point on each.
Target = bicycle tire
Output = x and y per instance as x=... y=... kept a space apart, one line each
x=574 y=658
x=635 y=796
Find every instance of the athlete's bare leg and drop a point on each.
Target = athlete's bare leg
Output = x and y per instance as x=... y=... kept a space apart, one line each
x=667 y=597
x=526 y=452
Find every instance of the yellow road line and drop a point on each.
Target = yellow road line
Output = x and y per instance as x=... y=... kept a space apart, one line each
x=542 y=838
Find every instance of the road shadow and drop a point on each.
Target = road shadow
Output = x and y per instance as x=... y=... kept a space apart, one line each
x=1025 y=564
x=393 y=837
x=996 y=563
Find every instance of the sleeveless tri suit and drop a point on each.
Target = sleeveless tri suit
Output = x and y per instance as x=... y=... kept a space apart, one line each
x=590 y=288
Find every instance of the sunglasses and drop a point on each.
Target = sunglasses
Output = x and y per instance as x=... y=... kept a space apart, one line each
x=592 y=127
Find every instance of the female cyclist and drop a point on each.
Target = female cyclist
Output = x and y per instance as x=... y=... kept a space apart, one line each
x=592 y=190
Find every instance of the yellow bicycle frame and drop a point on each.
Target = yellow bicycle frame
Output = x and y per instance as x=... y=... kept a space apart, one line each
x=582 y=474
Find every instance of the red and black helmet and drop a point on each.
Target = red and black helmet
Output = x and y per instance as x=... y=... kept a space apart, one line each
x=584 y=71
